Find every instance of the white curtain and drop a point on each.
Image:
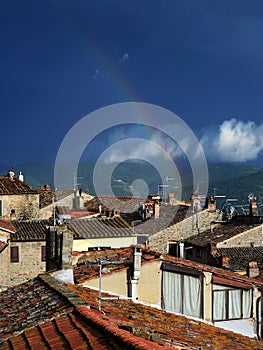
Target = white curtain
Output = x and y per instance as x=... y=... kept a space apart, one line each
x=192 y=296
x=247 y=303
x=234 y=304
x=219 y=305
x=238 y=300
x=172 y=292
x=182 y=294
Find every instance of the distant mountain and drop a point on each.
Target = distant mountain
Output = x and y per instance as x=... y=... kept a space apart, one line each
x=231 y=180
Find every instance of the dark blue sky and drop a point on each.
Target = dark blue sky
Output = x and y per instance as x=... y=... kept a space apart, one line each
x=62 y=59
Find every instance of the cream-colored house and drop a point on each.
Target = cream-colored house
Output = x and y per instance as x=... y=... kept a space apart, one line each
x=226 y=299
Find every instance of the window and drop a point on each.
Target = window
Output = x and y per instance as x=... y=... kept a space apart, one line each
x=14 y=254
x=1 y=208
x=199 y=253
x=230 y=303
x=43 y=253
x=182 y=293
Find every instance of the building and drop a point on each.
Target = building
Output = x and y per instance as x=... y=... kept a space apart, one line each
x=24 y=254
x=18 y=201
x=45 y=313
x=224 y=298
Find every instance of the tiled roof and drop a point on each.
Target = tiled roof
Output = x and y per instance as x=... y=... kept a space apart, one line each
x=29 y=230
x=167 y=329
x=62 y=210
x=121 y=204
x=45 y=314
x=169 y=215
x=28 y=304
x=15 y=186
x=219 y=234
x=3 y=245
x=239 y=257
x=45 y=197
x=7 y=225
x=100 y=228
x=83 y=271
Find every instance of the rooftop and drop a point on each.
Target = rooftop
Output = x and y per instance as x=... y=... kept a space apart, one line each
x=85 y=271
x=219 y=233
x=45 y=314
x=30 y=230
x=15 y=186
x=100 y=228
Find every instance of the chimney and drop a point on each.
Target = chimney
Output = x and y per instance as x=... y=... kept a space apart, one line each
x=253 y=208
x=224 y=261
x=253 y=269
x=211 y=205
x=20 y=177
x=134 y=273
x=181 y=249
x=59 y=242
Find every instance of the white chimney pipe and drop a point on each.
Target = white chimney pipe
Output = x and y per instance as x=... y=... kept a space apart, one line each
x=135 y=275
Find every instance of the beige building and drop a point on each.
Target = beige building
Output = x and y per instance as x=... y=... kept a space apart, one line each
x=24 y=253
x=17 y=199
x=221 y=297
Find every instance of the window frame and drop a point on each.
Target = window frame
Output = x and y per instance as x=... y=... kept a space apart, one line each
x=227 y=292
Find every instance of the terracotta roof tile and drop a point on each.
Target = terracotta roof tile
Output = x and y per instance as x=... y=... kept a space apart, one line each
x=3 y=245
x=98 y=228
x=30 y=230
x=169 y=215
x=41 y=312
x=239 y=257
x=83 y=271
x=28 y=304
x=45 y=197
x=15 y=186
x=7 y=225
x=168 y=329
x=219 y=234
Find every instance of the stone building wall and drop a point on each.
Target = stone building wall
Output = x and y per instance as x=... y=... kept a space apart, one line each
x=23 y=205
x=253 y=236
x=29 y=265
x=183 y=229
x=4 y=268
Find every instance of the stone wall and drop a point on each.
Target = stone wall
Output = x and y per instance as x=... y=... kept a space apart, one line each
x=4 y=268
x=23 y=205
x=253 y=236
x=183 y=229
x=29 y=265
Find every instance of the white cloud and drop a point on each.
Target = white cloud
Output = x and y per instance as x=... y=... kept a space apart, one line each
x=233 y=141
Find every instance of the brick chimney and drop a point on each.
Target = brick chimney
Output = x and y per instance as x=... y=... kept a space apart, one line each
x=253 y=269
x=253 y=208
x=224 y=261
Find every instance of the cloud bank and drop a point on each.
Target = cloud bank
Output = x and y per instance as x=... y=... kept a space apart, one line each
x=233 y=141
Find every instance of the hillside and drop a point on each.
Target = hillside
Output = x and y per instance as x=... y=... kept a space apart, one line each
x=231 y=180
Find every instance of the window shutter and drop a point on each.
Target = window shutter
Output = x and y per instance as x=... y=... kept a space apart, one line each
x=43 y=253
x=14 y=251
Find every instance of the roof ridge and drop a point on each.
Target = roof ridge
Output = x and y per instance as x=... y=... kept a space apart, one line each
x=62 y=289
